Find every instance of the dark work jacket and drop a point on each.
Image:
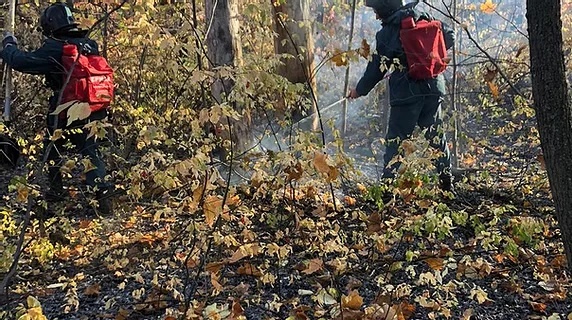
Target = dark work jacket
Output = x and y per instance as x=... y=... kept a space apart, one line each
x=47 y=61
x=403 y=90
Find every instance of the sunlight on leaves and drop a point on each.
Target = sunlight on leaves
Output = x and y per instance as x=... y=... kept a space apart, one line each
x=488 y=7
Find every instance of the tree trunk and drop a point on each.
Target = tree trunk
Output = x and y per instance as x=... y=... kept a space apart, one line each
x=224 y=50
x=292 y=23
x=553 y=107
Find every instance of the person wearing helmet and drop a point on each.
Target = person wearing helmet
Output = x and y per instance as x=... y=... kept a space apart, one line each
x=58 y=26
x=412 y=101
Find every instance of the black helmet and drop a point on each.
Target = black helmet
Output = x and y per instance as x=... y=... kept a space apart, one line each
x=57 y=18
x=384 y=8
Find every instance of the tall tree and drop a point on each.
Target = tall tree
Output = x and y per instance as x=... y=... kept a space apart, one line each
x=224 y=50
x=294 y=37
x=553 y=107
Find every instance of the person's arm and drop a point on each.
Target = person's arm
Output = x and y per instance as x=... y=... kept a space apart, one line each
x=42 y=61
x=448 y=35
x=373 y=72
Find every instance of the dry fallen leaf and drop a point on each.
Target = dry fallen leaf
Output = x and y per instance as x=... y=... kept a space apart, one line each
x=435 y=263
x=212 y=209
x=247 y=250
x=538 y=307
x=92 y=290
x=353 y=300
x=249 y=270
x=314 y=265
x=321 y=164
x=406 y=310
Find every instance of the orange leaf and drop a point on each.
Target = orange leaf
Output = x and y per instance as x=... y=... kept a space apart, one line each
x=321 y=164
x=237 y=309
x=488 y=6
x=294 y=172
x=365 y=49
x=435 y=263
x=84 y=224
x=212 y=209
x=314 y=265
x=350 y=201
x=249 y=270
x=353 y=300
x=406 y=310
x=494 y=89
x=538 y=307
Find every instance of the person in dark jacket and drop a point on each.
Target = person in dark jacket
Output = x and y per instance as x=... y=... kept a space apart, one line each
x=413 y=102
x=59 y=27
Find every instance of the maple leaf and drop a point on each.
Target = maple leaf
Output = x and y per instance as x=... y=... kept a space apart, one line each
x=488 y=7
x=314 y=265
x=365 y=49
x=212 y=209
x=321 y=164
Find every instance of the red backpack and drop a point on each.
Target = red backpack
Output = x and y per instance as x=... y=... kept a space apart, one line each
x=424 y=48
x=90 y=79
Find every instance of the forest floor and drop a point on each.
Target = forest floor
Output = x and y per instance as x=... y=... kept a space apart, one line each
x=406 y=251
x=131 y=266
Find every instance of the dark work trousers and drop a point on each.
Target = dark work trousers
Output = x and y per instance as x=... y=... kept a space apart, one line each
x=425 y=111
x=87 y=147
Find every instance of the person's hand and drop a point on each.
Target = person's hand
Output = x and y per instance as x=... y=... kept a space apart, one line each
x=9 y=40
x=353 y=94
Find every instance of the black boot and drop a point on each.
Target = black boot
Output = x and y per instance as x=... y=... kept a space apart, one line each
x=104 y=202
x=446 y=182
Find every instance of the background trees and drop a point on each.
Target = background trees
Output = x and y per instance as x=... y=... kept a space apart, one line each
x=552 y=104
x=286 y=226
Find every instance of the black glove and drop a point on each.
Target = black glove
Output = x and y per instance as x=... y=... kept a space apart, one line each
x=8 y=40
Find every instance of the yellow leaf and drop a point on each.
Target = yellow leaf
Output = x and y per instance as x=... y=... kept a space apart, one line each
x=339 y=58
x=87 y=165
x=353 y=300
x=488 y=6
x=32 y=302
x=58 y=134
x=212 y=209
